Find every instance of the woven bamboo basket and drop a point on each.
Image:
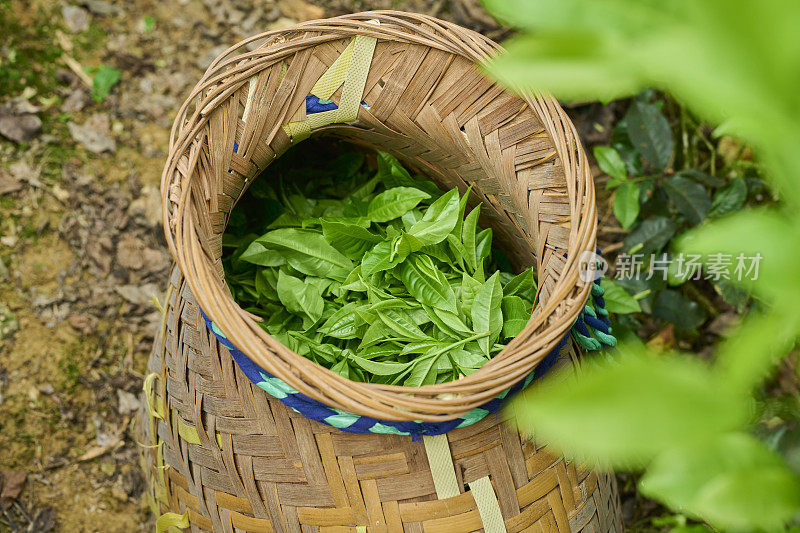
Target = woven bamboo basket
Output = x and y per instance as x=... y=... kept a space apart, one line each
x=221 y=452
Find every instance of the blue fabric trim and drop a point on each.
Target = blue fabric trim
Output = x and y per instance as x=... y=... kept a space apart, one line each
x=315 y=105
x=318 y=411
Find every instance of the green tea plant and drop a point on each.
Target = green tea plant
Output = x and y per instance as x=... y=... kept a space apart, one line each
x=736 y=64
x=659 y=193
x=378 y=276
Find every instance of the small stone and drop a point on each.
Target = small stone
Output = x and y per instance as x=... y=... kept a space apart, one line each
x=138 y=294
x=76 y=101
x=147 y=206
x=76 y=18
x=20 y=128
x=46 y=388
x=94 y=134
x=101 y=7
x=300 y=9
x=108 y=468
x=86 y=324
x=203 y=61
x=119 y=494
x=128 y=403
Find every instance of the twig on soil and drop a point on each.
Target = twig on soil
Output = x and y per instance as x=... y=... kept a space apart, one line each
x=70 y=61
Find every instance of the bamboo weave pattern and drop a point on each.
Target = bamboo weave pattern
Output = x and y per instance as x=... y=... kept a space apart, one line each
x=225 y=456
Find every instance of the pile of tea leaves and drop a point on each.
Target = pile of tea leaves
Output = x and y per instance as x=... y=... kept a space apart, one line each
x=378 y=276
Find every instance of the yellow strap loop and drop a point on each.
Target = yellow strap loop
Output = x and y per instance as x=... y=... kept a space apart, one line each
x=330 y=81
x=488 y=506
x=154 y=409
x=351 y=69
x=169 y=520
x=441 y=462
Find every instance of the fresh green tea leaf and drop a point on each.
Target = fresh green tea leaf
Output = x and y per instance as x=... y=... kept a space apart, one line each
x=439 y=219
x=626 y=204
x=392 y=203
x=617 y=299
x=299 y=297
x=486 y=312
x=611 y=163
x=426 y=283
x=350 y=239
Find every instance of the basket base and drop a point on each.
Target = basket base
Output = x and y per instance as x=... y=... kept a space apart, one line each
x=222 y=455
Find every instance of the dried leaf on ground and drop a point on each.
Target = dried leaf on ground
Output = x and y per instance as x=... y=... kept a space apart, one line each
x=76 y=19
x=138 y=294
x=13 y=481
x=19 y=127
x=130 y=252
x=8 y=182
x=94 y=134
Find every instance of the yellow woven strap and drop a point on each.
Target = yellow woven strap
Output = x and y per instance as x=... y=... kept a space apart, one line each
x=441 y=462
x=351 y=69
x=488 y=506
x=155 y=408
x=330 y=81
x=172 y=521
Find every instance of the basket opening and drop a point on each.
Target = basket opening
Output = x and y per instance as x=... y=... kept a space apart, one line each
x=319 y=154
x=303 y=251
x=428 y=104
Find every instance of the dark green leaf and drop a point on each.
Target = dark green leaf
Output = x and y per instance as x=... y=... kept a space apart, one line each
x=673 y=307
x=611 y=163
x=689 y=198
x=651 y=235
x=650 y=133
x=729 y=198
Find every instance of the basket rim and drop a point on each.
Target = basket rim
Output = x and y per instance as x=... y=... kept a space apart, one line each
x=551 y=320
